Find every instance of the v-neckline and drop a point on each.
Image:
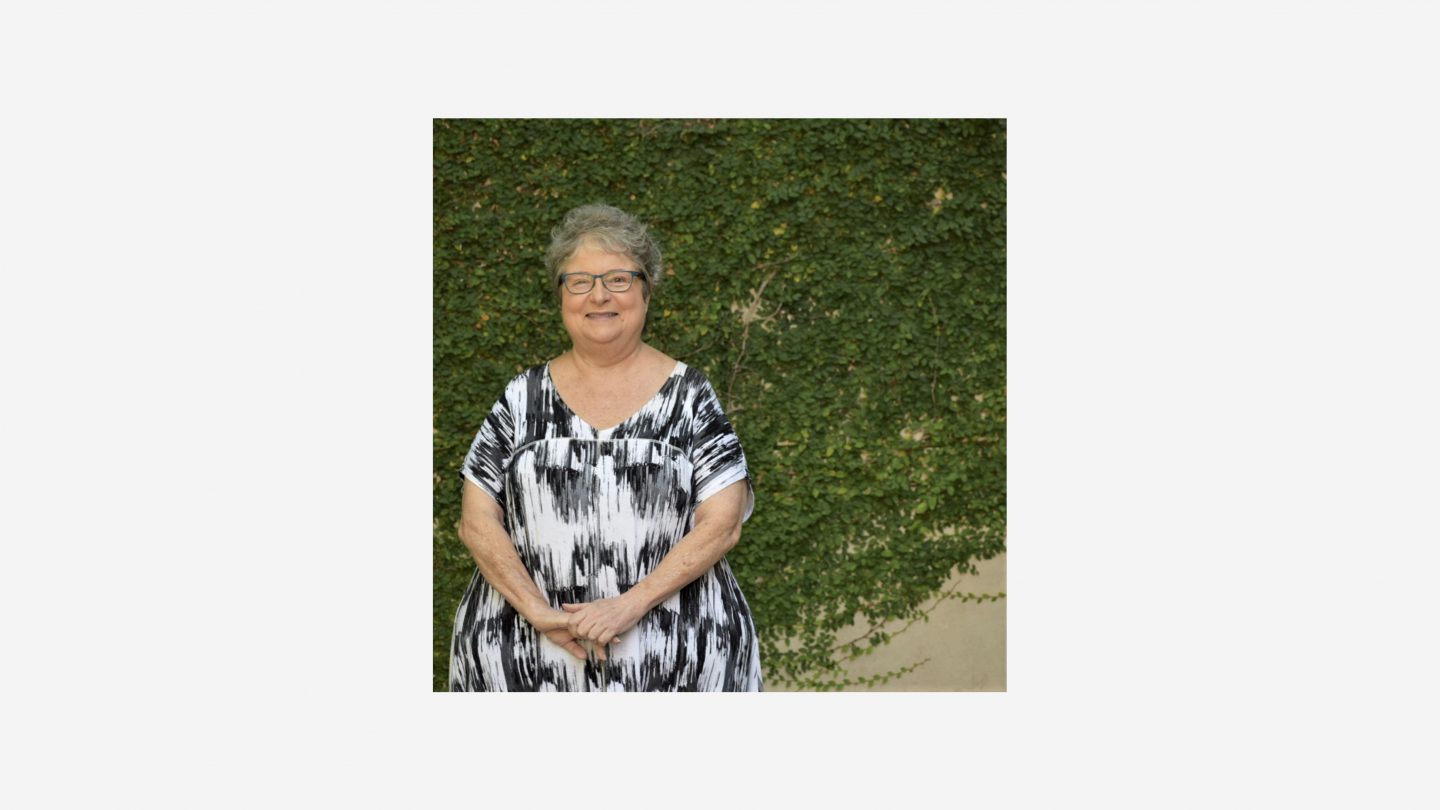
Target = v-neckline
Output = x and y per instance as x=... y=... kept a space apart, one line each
x=677 y=371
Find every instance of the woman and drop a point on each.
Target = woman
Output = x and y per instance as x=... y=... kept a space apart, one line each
x=600 y=497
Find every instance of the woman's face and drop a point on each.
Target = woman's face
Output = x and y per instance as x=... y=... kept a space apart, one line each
x=601 y=317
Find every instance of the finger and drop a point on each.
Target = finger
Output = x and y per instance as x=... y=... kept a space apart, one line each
x=569 y=607
x=570 y=645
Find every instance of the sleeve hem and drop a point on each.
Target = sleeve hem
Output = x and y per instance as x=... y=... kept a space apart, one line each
x=724 y=480
x=469 y=476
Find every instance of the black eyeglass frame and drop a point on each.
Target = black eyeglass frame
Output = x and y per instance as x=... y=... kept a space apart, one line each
x=564 y=279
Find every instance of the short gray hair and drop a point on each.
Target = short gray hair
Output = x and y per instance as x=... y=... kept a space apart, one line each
x=609 y=229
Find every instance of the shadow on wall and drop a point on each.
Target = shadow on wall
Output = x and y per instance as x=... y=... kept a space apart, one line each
x=965 y=642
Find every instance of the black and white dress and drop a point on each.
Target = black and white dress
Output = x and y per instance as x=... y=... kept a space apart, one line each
x=591 y=513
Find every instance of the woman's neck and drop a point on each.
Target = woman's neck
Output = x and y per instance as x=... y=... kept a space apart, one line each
x=607 y=362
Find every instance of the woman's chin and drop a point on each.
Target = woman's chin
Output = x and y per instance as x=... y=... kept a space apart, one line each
x=606 y=333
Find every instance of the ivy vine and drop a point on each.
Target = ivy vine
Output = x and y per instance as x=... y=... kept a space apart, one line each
x=842 y=284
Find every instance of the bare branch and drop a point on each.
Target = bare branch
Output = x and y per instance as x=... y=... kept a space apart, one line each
x=750 y=313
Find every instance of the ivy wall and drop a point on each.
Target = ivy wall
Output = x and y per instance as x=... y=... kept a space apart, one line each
x=842 y=284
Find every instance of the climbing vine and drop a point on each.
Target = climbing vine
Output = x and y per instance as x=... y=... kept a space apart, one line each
x=842 y=284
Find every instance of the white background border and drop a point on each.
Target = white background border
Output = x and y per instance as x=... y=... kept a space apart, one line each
x=216 y=327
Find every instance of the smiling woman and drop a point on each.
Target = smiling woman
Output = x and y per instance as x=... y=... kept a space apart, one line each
x=600 y=497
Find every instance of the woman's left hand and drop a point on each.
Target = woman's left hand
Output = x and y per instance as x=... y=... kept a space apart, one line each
x=604 y=619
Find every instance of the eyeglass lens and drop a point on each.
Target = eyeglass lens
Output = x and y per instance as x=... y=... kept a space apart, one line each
x=584 y=282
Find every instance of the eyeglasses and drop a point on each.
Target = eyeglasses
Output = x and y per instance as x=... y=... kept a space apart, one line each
x=615 y=281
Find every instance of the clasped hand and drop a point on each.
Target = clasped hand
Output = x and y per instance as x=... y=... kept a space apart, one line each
x=601 y=621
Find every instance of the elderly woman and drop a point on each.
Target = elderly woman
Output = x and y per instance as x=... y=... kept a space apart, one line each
x=600 y=497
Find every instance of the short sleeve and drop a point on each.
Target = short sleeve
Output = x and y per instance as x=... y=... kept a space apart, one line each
x=715 y=453
x=490 y=452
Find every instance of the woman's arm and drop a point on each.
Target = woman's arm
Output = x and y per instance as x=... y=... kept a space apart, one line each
x=717 y=530
x=482 y=530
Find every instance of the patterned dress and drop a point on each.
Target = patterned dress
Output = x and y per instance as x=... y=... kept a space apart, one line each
x=591 y=513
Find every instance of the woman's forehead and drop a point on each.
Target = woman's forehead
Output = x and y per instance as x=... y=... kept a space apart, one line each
x=592 y=258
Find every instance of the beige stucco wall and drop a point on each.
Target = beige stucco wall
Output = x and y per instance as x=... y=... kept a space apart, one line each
x=965 y=642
